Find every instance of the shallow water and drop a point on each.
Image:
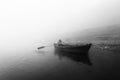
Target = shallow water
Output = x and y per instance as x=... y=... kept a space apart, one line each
x=46 y=64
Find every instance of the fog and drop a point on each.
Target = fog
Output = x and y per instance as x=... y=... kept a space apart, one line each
x=29 y=22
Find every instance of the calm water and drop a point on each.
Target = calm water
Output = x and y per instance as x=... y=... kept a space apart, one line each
x=46 y=64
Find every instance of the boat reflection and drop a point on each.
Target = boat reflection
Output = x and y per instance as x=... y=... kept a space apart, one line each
x=74 y=57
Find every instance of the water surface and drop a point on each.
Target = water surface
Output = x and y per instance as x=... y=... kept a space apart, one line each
x=46 y=64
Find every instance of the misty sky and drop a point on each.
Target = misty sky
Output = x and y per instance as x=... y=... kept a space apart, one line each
x=30 y=19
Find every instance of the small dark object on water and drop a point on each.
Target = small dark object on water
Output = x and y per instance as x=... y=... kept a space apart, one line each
x=41 y=47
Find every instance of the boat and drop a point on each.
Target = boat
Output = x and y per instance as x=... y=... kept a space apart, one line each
x=72 y=48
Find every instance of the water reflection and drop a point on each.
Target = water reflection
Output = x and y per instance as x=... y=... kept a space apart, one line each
x=74 y=57
x=40 y=52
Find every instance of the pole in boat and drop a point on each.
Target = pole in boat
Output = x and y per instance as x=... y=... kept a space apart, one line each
x=41 y=47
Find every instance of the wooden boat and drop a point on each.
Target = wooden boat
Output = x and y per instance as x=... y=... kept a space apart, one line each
x=79 y=48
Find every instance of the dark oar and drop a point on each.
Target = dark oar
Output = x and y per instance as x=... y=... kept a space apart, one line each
x=41 y=47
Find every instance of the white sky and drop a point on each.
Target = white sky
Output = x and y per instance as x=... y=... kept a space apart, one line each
x=24 y=19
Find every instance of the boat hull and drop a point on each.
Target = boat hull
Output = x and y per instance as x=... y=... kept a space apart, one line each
x=73 y=48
